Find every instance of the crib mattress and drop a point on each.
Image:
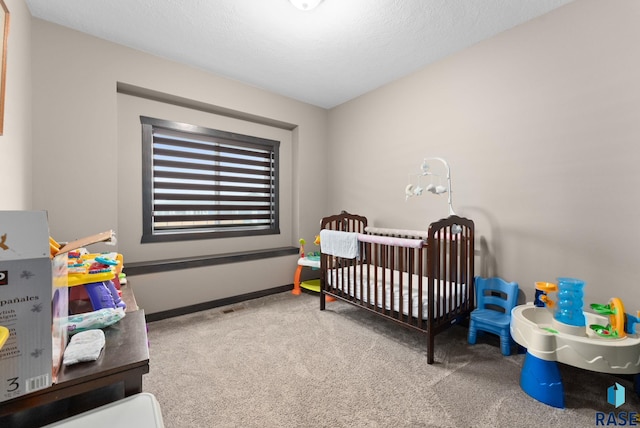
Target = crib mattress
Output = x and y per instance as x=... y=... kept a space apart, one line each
x=389 y=282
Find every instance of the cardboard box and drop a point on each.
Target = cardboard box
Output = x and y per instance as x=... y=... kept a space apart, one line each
x=26 y=359
x=34 y=301
x=59 y=312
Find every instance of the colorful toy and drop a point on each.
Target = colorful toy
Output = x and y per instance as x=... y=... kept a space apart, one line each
x=54 y=247
x=542 y=290
x=104 y=295
x=89 y=268
x=569 y=294
x=615 y=311
x=314 y=255
x=562 y=332
x=311 y=260
x=95 y=274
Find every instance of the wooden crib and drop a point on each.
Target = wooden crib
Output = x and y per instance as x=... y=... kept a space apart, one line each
x=421 y=280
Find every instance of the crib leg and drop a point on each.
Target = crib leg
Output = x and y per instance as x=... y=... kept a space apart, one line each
x=430 y=353
x=323 y=302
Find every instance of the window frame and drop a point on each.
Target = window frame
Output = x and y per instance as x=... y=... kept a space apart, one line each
x=149 y=234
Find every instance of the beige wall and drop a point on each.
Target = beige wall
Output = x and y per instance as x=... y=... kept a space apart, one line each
x=541 y=127
x=15 y=143
x=87 y=159
x=129 y=191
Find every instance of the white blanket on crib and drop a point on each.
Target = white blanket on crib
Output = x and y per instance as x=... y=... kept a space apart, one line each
x=339 y=244
x=448 y=295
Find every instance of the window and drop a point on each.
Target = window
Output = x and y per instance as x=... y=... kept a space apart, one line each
x=203 y=183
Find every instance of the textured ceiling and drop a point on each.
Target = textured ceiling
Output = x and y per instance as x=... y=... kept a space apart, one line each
x=324 y=57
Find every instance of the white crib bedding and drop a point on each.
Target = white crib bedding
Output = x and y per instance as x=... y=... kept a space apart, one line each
x=447 y=294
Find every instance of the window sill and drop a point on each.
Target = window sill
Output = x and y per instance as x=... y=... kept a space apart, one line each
x=142 y=268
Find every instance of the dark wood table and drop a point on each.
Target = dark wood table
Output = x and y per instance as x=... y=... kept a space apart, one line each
x=122 y=363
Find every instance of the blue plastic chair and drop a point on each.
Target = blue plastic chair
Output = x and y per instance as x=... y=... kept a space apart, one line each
x=495 y=298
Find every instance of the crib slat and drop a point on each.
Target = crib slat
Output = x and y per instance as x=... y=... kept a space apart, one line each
x=392 y=254
x=403 y=253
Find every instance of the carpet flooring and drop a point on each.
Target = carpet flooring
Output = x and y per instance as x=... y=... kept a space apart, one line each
x=278 y=361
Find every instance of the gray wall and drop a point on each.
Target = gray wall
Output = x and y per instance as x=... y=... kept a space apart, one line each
x=540 y=126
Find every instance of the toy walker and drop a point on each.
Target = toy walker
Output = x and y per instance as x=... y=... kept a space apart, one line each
x=310 y=260
x=558 y=330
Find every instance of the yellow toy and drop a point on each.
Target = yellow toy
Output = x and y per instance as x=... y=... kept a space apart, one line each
x=4 y=335
x=81 y=268
x=615 y=311
x=542 y=299
x=54 y=247
x=96 y=275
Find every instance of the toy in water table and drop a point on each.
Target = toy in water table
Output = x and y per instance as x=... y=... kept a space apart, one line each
x=91 y=280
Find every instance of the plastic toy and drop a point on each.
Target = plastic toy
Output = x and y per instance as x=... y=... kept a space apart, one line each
x=542 y=290
x=311 y=260
x=632 y=323
x=562 y=332
x=302 y=243
x=95 y=274
x=103 y=295
x=615 y=311
x=54 y=247
x=570 y=293
x=89 y=268
x=305 y=260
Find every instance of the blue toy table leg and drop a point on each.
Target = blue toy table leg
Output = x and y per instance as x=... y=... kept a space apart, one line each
x=104 y=295
x=541 y=380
